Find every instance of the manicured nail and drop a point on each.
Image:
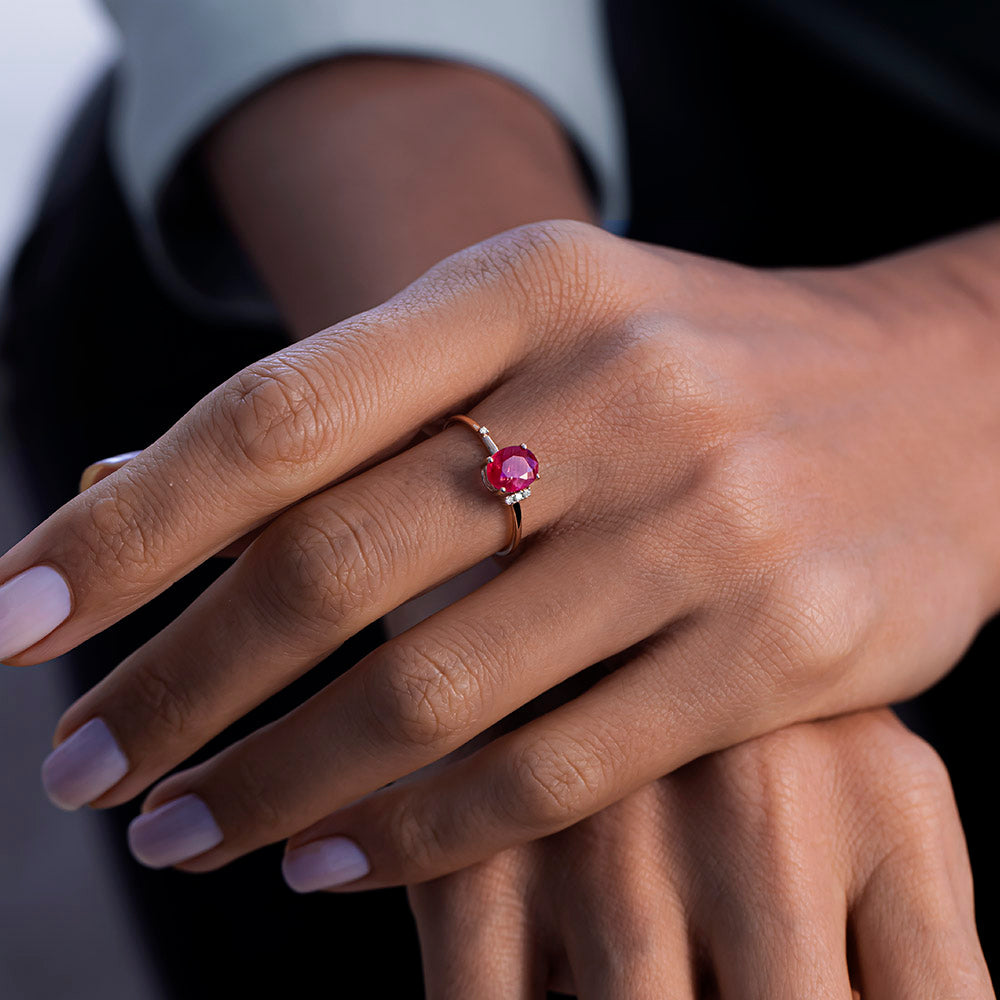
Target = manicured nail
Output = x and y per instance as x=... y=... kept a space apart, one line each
x=99 y=470
x=324 y=864
x=177 y=831
x=32 y=604
x=86 y=764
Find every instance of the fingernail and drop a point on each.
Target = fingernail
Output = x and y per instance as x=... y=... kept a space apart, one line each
x=175 y=832
x=86 y=764
x=99 y=470
x=324 y=864
x=32 y=604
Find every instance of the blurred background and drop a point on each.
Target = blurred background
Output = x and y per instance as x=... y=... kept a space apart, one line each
x=64 y=929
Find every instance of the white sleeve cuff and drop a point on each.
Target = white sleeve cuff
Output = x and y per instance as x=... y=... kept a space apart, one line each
x=186 y=62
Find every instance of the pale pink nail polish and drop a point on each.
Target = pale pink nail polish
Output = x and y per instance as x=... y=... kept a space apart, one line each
x=32 y=604
x=85 y=765
x=178 y=830
x=324 y=864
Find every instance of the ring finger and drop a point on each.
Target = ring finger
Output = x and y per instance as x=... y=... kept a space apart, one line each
x=316 y=576
x=635 y=941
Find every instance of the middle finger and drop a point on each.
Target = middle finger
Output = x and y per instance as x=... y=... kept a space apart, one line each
x=478 y=936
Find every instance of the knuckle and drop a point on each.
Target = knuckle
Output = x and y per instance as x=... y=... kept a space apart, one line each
x=669 y=366
x=422 y=697
x=742 y=497
x=161 y=700
x=553 y=243
x=775 y=782
x=558 y=243
x=816 y=615
x=272 y=416
x=322 y=567
x=914 y=786
x=119 y=534
x=918 y=763
x=753 y=764
x=551 y=784
x=551 y=265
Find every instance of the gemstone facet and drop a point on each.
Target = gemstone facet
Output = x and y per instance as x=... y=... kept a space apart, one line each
x=511 y=470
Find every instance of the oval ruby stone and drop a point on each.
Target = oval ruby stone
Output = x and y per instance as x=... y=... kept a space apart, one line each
x=511 y=469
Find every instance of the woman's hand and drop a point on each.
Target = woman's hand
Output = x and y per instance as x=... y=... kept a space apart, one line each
x=824 y=856
x=772 y=494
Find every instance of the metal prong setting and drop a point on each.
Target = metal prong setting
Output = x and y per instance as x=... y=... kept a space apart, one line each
x=487 y=440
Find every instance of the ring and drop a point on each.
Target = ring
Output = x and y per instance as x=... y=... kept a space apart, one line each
x=507 y=472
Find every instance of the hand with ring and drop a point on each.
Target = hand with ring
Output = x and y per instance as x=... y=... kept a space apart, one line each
x=770 y=495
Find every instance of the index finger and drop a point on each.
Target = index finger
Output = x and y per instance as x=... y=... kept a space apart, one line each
x=277 y=431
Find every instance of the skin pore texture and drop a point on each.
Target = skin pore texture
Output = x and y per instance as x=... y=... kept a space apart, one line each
x=799 y=511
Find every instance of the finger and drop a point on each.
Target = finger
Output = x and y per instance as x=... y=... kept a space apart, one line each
x=634 y=941
x=316 y=576
x=411 y=702
x=658 y=711
x=775 y=951
x=286 y=427
x=778 y=923
x=477 y=938
x=763 y=868
x=106 y=466
x=914 y=926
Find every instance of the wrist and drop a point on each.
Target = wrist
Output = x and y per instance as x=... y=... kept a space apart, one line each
x=922 y=328
x=346 y=181
x=937 y=310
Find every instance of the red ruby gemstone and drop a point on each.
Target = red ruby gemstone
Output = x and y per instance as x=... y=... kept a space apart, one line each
x=511 y=469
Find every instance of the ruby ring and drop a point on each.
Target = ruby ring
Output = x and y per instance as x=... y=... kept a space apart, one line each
x=507 y=472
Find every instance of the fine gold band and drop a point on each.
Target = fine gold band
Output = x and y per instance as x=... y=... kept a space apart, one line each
x=488 y=443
